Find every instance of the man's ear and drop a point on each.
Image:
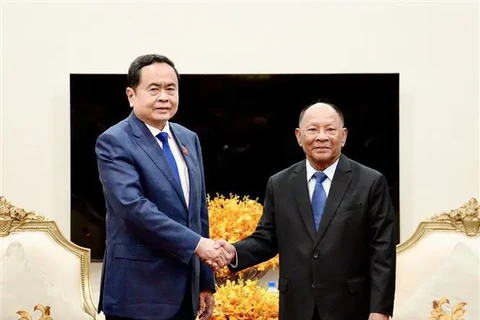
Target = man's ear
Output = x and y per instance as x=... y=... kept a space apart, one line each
x=131 y=96
x=344 y=136
x=298 y=134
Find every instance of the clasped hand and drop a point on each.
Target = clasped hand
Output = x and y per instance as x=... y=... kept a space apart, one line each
x=216 y=253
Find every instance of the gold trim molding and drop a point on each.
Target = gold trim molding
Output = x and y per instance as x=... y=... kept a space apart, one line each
x=465 y=219
x=12 y=217
x=438 y=313
x=19 y=220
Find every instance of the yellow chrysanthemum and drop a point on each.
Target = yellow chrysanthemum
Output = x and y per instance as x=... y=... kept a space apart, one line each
x=244 y=300
x=234 y=219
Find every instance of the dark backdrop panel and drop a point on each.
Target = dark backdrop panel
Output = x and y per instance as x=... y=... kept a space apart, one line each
x=246 y=127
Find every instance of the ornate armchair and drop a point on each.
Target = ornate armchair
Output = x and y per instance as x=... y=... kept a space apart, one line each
x=438 y=270
x=42 y=274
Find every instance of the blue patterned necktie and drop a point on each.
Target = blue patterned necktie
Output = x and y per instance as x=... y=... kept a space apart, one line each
x=319 y=198
x=163 y=136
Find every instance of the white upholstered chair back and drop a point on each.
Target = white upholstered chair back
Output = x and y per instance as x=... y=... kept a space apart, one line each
x=41 y=272
x=440 y=262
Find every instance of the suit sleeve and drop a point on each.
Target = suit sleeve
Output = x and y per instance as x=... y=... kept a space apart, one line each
x=383 y=249
x=123 y=191
x=207 y=281
x=262 y=244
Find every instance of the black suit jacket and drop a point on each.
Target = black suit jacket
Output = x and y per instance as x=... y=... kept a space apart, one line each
x=347 y=267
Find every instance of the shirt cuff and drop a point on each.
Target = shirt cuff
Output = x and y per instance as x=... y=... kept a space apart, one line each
x=234 y=265
x=195 y=251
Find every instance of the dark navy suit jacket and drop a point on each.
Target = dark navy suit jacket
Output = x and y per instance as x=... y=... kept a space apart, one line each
x=151 y=233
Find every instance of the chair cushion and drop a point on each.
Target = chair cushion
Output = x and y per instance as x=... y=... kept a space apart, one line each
x=457 y=279
x=25 y=285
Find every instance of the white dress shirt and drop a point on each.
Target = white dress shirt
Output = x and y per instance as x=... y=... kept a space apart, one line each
x=329 y=172
x=182 y=166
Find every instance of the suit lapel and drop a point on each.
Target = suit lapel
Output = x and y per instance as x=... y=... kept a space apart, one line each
x=149 y=144
x=341 y=181
x=300 y=189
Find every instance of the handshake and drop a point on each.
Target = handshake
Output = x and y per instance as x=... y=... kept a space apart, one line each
x=216 y=253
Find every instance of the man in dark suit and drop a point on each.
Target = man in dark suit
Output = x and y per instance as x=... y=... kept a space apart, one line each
x=331 y=220
x=157 y=220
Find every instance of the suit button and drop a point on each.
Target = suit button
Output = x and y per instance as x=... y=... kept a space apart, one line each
x=313 y=286
x=315 y=255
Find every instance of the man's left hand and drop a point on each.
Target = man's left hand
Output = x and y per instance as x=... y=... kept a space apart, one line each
x=378 y=316
x=206 y=302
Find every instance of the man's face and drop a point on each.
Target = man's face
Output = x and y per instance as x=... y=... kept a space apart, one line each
x=155 y=100
x=321 y=135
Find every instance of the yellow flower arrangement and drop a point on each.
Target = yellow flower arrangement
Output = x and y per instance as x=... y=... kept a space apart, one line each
x=244 y=300
x=233 y=219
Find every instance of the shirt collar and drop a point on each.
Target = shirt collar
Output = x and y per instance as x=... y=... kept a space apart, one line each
x=329 y=171
x=156 y=131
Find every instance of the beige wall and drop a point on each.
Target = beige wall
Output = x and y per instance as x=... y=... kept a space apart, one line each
x=434 y=47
